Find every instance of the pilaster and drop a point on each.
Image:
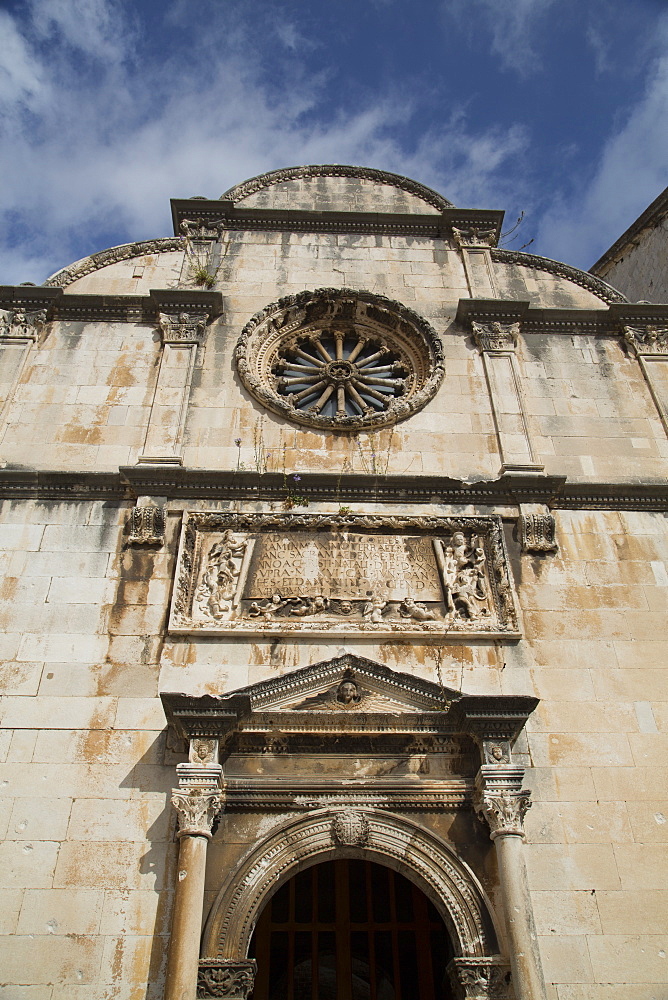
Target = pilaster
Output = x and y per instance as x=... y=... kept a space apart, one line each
x=497 y=342
x=181 y=333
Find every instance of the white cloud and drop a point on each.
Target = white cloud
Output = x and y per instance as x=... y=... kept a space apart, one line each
x=632 y=171
x=512 y=25
x=100 y=152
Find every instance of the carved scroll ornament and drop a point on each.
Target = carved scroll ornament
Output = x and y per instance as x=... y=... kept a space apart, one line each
x=538 y=532
x=147 y=525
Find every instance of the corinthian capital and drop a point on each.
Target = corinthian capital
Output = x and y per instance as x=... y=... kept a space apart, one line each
x=495 y=336
x=500 y=798
x=197 y=810
x=504 y=811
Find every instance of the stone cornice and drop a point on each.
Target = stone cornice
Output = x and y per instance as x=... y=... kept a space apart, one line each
x=120 y=308
x=224 y=215
x=182 y=484
x=569 y=322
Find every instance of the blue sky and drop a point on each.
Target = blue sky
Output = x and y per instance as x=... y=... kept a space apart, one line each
x=554 y=108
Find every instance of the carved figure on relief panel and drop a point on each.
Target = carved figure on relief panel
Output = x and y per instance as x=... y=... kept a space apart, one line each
x=464 y=577
x=219 y=578
x=309 y=606
x=268 y=609
x=373 y=610
x=415 y=610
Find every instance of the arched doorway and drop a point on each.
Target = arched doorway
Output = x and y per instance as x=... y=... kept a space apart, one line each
x=350 y=929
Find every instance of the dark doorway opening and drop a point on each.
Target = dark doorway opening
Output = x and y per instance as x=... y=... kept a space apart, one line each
x=350 y=930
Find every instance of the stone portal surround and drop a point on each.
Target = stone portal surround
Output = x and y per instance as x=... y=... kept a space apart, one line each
x=500 y=800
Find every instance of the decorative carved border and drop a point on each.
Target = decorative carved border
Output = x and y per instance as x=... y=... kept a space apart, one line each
x=592 y=284
x=87 y=265
x=254 y=184
x=503 y=622
x=414 y=336
x=391 y=840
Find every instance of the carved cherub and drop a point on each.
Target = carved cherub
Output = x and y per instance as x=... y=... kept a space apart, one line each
x=415 y=610
x=269 y=609
x=374 y=609
x=310 y=606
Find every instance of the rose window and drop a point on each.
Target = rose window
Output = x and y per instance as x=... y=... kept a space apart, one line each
x=339 y=375
x=340 y=359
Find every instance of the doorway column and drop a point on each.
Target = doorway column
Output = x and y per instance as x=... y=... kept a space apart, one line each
x=502 y=801
x=197 y=801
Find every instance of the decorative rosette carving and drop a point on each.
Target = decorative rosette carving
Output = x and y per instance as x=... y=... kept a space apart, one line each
x=340 y=359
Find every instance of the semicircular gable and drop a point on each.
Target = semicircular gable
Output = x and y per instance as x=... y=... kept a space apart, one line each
x=126 y=251
x=337 y=187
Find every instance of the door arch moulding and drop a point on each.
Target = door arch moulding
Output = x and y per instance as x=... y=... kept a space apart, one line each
x=379 y=836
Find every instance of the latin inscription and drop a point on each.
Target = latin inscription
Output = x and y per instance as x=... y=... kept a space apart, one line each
x=343 y=566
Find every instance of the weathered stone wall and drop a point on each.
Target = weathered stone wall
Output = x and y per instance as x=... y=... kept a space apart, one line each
x=89 y=854
x=85 y=394
x=641 y=273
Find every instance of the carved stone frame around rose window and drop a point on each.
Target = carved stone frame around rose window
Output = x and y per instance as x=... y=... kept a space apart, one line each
x=406 y=336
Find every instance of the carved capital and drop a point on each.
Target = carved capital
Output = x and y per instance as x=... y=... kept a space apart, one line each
x=474 y=237
x=350 y=828
x=495 y=336
x=147 y=525
x=537 y=529
x=202 y=229
x=21 y=325
x=226 y=977
x=504 y=811
x=480 y=978
x=500 y=799
x=197 y=810
x=649 y=339
x=183 y=328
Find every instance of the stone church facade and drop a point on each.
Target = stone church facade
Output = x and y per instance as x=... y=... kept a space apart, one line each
x=334 y=599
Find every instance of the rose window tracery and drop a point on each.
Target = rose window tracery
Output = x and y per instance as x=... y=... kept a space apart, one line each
x=340 y=359
x=340 y=374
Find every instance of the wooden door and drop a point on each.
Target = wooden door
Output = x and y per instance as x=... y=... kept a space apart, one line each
x=350 y=930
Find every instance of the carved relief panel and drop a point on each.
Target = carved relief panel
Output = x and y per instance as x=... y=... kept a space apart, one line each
x=317 y=574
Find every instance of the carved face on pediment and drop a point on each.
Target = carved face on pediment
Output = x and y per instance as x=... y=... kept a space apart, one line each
x=349 y=684
x=350 y=696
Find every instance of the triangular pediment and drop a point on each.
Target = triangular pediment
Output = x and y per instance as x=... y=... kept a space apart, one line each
x=346 y=684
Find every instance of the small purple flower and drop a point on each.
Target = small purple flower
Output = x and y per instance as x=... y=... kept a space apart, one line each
x=297 y=478
x=237 y=442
